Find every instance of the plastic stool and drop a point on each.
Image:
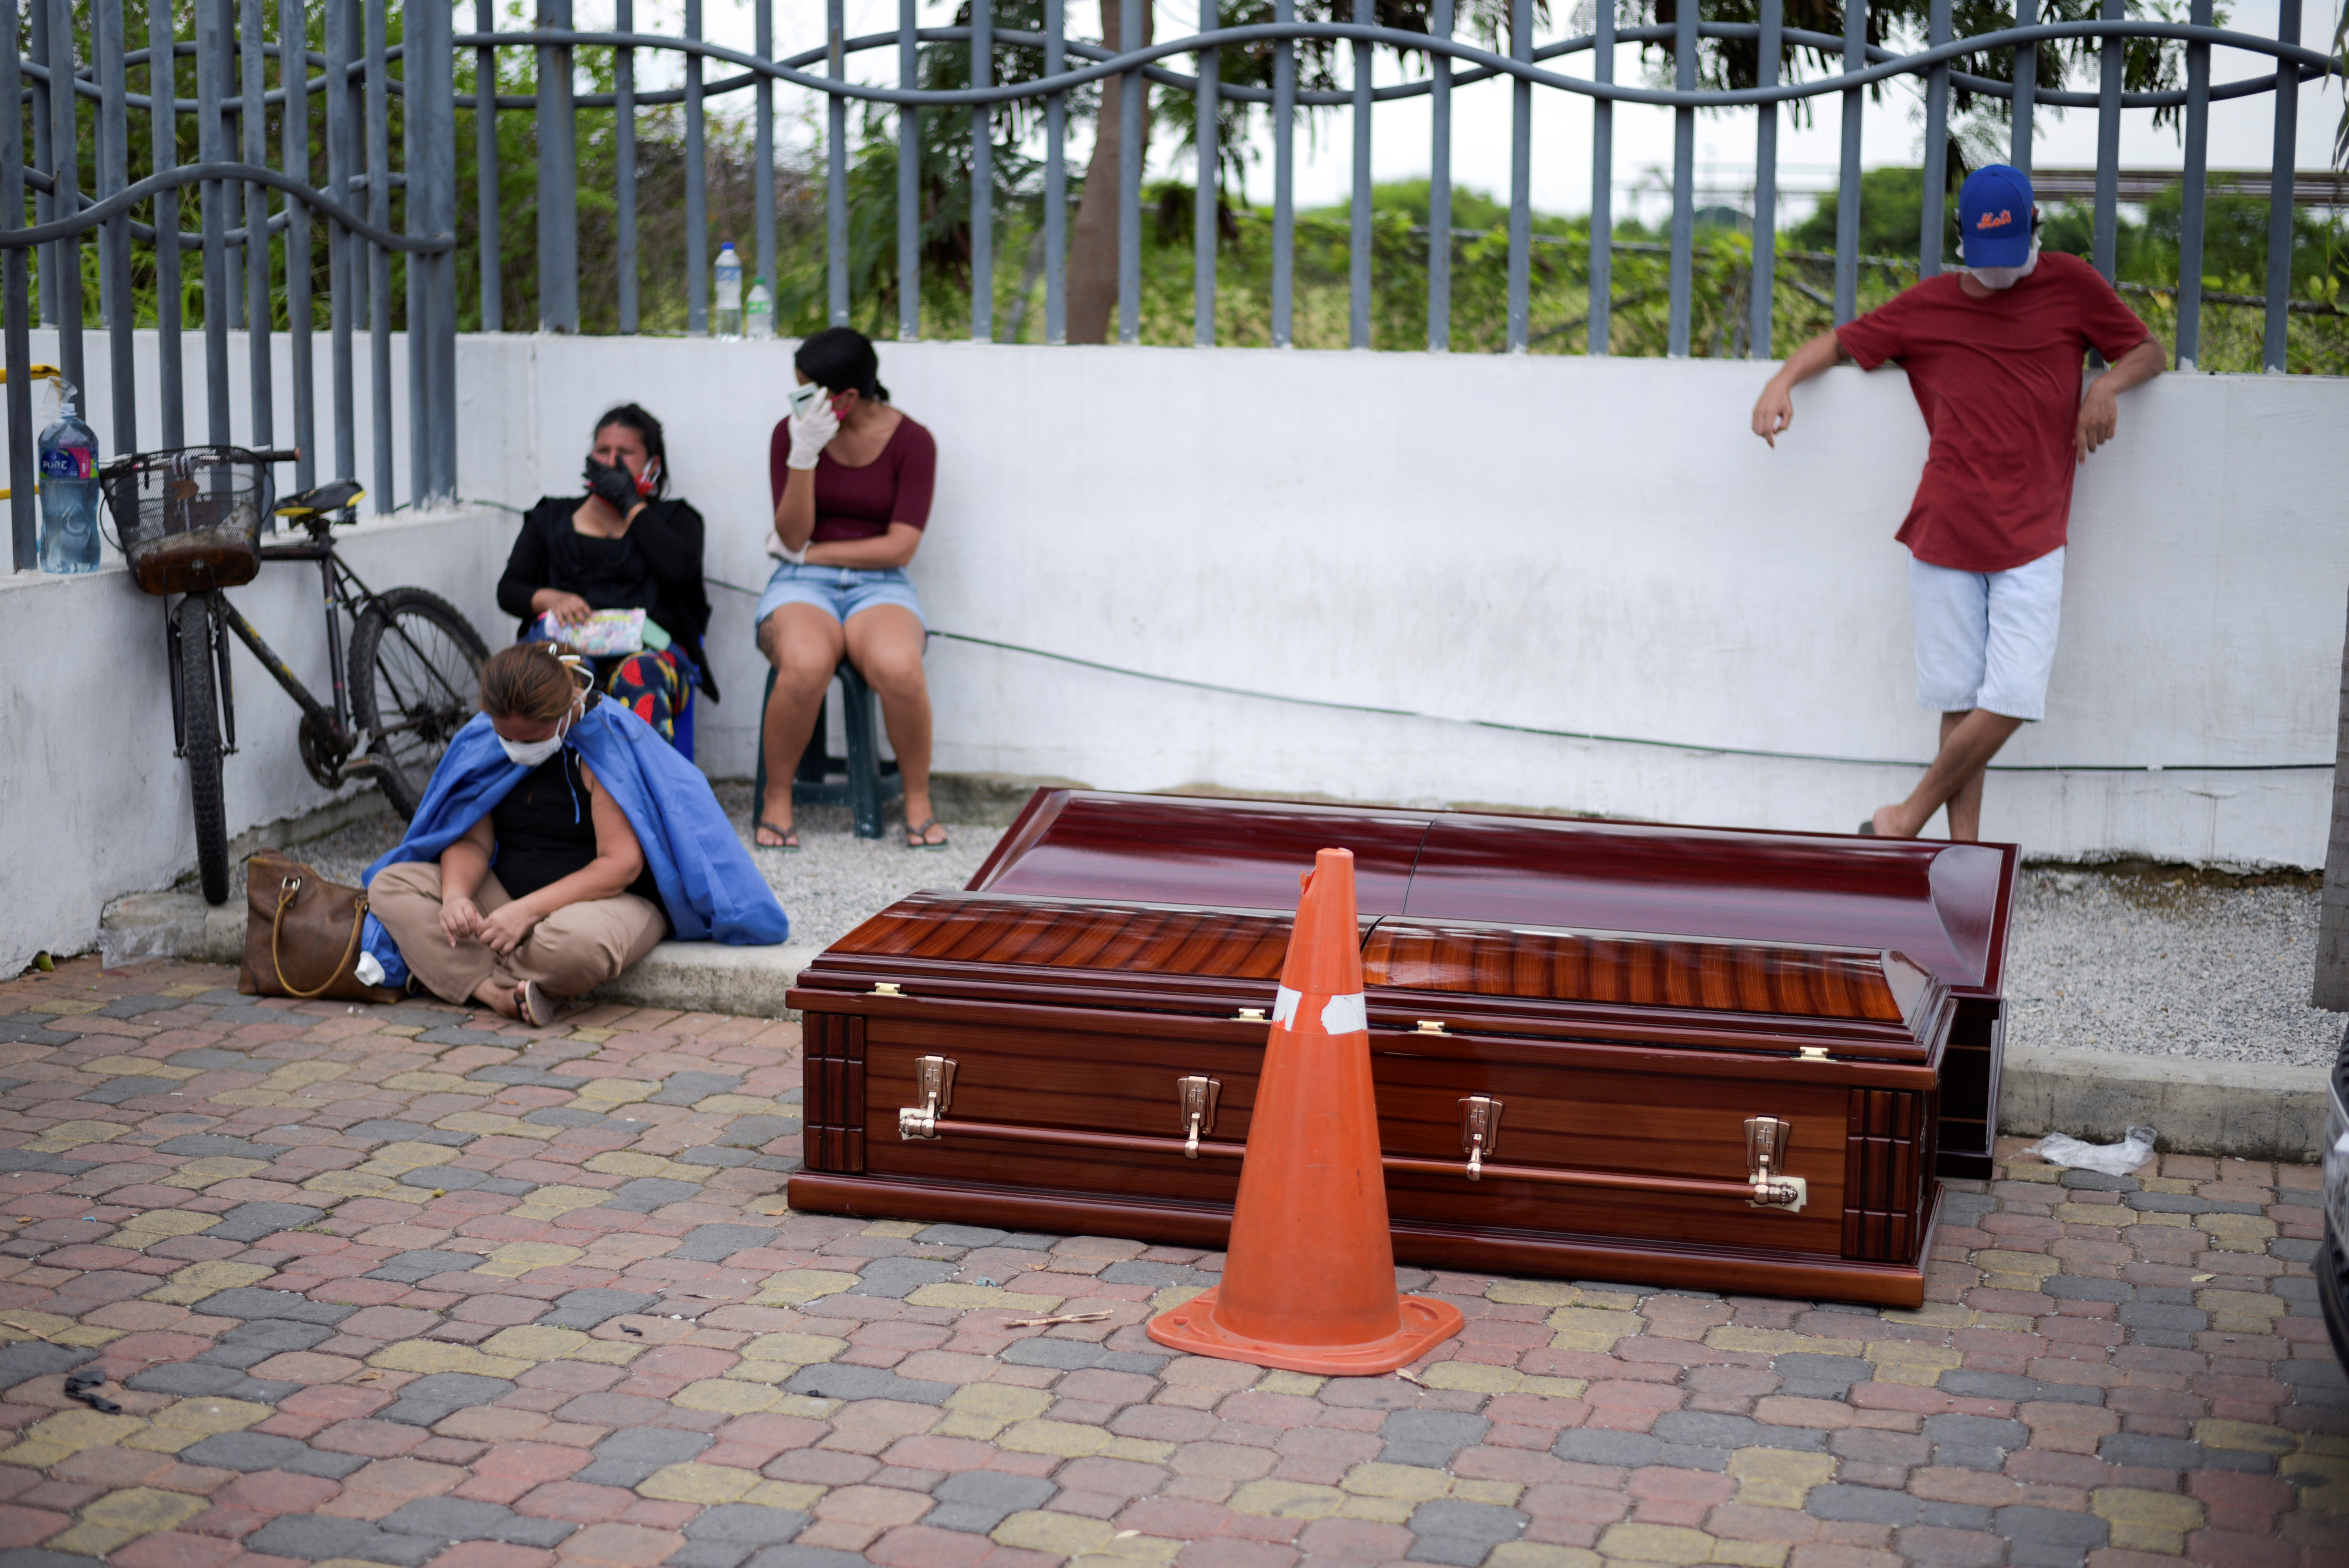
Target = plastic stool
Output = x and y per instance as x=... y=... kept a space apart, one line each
x=865 y=781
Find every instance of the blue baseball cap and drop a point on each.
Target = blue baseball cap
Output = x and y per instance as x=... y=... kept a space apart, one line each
x=1995 y=217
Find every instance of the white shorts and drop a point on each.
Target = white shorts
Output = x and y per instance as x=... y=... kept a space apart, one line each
x=1987 y=639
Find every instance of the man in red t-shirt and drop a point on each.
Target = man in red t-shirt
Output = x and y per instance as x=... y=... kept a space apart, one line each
x=1993 y=353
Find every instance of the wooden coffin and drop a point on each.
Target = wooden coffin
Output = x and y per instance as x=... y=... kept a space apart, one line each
x=1088 y=1063
x=1944 y=906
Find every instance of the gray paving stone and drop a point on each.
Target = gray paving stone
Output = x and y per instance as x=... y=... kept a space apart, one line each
x=253 y=1301
x=629 y=1455
x=1860 y=1505
x=565 y=1116
x=1974 y=1442
x=1429 y=1437
x=1135 y=1271
x=1370 y=1394
x=1954 y=1515
x=2159 y=1314
x=256 y=1339
x=37 y=1557
x=1589 y=1446
x=1450 y=1530
x=2048 y=1537
x=261 y=1451
x=840 y=1380
x=897 y=1278
x=960 y=1236
x=2097 y=1181
x=463 y=1518
x=1717 y=1429
x=2076 y=1287
x=2166 y=1203
x=208 y=1058
x=408 y=1268
x=130 y=1086
x=807 y=1557
x=186 y=1379
x=138 y=1007
x=645 y=1193
x=252 y=1222
x=978 y=1500
x=2150 y=1452
x=1970 y=1383
x=211 y=1145
x=585 y=1309
x=444 y=1179
x=2294 y=1249
x=1822 y=1377
x=715 y=1244
x=451 y=1035
x=434 y=1397
x=692 y=1087
x=390 y=1130
x=755 y=1131
x=749 y=1523
x=27 y=1359
x=709 y=1554
x=22 y=1030
x=316 y=1537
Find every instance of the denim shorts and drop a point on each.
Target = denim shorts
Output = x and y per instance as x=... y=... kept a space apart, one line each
x=839 y=592
x=1987 y=639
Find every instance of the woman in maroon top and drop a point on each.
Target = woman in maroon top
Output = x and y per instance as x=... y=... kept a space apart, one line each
x=851 y=479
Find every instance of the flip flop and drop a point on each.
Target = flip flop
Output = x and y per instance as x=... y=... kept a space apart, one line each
x=916 y=835
x=536 y=1008
x=791 y=843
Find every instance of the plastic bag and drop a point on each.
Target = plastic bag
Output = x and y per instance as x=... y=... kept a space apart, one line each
x=603 y=634
x=2111 y=1159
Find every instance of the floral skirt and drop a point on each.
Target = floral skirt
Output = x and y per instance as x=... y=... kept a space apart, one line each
x=653 y=685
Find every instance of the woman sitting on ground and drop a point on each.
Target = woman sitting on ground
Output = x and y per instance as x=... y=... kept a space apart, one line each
x=852 y=478
x=559 y=840
x=622 y=546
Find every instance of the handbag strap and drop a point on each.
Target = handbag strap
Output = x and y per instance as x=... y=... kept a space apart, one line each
x=287 y=889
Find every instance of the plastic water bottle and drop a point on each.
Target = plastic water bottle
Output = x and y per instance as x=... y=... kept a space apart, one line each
x=67 y=456
x=726 y=317
x=759 y=312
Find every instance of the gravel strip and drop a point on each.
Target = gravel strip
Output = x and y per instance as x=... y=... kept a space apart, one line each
x=2167 y=962
x=2160 y=963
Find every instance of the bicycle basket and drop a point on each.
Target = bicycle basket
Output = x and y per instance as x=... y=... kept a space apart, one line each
x=189 y=519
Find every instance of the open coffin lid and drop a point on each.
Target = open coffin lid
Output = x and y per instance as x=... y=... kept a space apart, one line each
x=1945 y=907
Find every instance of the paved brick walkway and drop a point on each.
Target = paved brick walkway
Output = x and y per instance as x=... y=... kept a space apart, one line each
x=405 y=1286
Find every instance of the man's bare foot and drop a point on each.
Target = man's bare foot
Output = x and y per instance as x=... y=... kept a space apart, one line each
x=498 y=998
x=1889 y=822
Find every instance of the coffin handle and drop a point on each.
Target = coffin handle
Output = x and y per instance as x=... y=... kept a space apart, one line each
x=934 y=1081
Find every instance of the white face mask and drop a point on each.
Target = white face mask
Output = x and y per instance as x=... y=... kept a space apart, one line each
x=2007 y=277
x=531 y=753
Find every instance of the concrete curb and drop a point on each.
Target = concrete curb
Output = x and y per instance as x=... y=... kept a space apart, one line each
x=2243 y=1108
x=2200 y=1107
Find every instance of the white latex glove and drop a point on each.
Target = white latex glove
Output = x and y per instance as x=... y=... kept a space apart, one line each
x=809 y=431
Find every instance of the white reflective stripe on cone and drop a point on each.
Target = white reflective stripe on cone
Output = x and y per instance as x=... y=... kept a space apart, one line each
x=1339 y=1015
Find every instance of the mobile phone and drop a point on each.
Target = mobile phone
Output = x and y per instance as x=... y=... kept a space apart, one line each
x=649 y=481
x=803 y=398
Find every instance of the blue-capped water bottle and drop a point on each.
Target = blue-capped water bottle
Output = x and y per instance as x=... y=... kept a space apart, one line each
x=725 y=313
x=66 y=455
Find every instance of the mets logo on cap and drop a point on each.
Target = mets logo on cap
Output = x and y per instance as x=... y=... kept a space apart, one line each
x=1993 y=213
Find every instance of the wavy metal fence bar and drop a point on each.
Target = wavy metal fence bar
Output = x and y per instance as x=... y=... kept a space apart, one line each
x=232 y=176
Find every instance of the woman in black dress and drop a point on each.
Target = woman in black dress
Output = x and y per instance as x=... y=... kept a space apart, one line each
x=622 y=546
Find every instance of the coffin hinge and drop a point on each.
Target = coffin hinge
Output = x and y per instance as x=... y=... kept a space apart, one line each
x=1430 y=1026
x=1250 y=1015
x=1812 y=1054
x=886 y=988
x=934 y=1081
x=1766 y=1165
x=1480 y=1131
x=1197 y=1095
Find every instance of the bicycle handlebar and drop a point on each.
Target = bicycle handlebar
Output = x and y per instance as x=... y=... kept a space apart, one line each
x=283 y=455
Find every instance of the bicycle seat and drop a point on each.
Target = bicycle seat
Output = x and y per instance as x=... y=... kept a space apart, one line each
x=336 y=495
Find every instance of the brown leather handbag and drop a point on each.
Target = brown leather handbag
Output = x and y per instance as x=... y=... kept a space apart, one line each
x=302 y=934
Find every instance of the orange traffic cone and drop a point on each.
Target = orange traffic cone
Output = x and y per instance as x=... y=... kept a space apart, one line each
x=1309 y=1283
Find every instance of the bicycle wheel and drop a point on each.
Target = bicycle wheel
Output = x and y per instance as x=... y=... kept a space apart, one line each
x=192 y=621
x=416 y=679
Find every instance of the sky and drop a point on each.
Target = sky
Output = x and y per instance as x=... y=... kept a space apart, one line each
x=2241 y=131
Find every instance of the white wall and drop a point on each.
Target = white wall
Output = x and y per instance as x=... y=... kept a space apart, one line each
x=1594 y=546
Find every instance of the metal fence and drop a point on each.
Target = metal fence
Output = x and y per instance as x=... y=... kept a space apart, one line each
x=347 y=109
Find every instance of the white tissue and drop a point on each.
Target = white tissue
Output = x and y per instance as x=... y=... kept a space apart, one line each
x=369 y=972
x=2112 y=1158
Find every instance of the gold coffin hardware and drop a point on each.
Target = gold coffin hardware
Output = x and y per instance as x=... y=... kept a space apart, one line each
x=1480 y=1130
x=1198 y=1096
x=1431 y=1026
x=1812 y=1054
x=1766 y=1164
x=934 y=1081
x=1250 y=1015
x=886 y=988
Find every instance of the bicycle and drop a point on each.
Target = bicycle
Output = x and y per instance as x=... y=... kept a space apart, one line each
x=189 y=520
